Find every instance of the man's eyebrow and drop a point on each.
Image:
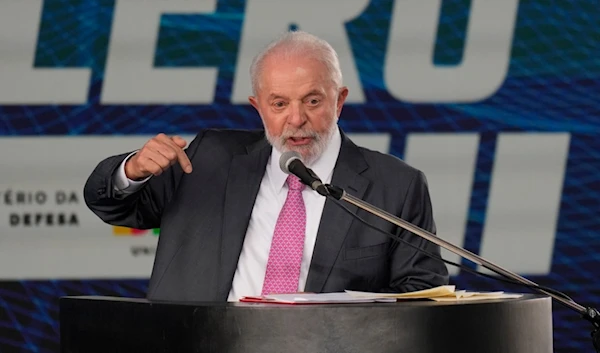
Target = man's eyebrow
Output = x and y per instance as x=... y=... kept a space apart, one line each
x=313 y=93
x=276 y=95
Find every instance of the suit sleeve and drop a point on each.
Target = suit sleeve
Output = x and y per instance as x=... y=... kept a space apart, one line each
x=410 y=269
x=141 y=209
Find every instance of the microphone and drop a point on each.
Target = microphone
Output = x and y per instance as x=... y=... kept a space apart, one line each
x=290 y=162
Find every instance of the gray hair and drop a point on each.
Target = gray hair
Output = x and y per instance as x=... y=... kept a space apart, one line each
x=298 y=43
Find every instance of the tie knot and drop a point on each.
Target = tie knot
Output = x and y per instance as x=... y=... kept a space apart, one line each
x=294 y=183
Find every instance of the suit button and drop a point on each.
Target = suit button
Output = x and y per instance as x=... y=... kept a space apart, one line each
x=101 y=191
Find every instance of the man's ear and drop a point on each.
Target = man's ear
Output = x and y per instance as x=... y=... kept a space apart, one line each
x=254 y=102
x=343 y=94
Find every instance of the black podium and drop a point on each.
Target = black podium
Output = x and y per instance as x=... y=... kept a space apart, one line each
x=105 y=324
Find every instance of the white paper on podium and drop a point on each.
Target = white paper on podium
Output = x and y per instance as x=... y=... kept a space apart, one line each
x=338 y=297
x=422 y=294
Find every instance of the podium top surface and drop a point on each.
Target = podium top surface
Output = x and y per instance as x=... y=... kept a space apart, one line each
x=402 y=302
x=99 y=324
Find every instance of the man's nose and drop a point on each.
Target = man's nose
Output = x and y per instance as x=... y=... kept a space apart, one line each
x=297 y=117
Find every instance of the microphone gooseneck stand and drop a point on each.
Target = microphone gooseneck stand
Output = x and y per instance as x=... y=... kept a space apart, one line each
x=590 y=314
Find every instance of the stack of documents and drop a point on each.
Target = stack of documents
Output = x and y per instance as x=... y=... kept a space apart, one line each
x=440 y=294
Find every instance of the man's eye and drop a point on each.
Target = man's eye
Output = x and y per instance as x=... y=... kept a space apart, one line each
x=279 y=104
x=313 y=101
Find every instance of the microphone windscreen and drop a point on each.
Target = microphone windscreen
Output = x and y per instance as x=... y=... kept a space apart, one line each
x=286 y=158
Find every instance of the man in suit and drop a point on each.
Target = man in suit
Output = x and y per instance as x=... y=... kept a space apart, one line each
x=233 y=224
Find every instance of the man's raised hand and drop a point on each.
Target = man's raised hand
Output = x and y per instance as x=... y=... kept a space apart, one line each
x=157 y=155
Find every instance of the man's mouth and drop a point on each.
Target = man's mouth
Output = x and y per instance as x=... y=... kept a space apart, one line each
x=299 y=141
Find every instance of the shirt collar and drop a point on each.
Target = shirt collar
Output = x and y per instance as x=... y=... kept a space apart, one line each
x=323 y=166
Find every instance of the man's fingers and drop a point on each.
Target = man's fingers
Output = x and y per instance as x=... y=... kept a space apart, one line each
x=160 y=153
x=175 y=153
x=184 y=161
x=158 y=158
x=179 y=141
x=150 y=166
x=175 y=141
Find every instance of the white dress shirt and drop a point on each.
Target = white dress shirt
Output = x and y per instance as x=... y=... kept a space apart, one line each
x=252 y=263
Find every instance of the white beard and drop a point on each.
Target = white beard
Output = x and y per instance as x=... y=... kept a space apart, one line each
x=310 y=153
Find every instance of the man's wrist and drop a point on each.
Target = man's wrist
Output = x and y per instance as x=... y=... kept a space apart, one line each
x=130 y=171
x=124 y=184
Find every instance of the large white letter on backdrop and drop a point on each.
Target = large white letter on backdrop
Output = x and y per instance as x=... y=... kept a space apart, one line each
x=409 y=71
x=20 y=82
x=524 y=201
x=448 y=161
x=131 y=78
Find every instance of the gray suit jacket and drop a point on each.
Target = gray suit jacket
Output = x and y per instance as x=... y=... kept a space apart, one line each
x=203 y=218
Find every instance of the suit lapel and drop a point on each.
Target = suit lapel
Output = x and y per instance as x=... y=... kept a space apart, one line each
x=245 y=175
x=335 y=222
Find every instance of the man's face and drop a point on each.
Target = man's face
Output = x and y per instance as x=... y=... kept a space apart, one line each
x=299 y=105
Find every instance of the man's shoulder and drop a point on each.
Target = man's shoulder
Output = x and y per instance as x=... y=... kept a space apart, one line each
x=387 y=163
x=230 y=137
x=391 y=171
x=232 y=133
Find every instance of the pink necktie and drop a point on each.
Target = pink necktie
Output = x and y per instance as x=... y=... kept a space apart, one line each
x=285 y=256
